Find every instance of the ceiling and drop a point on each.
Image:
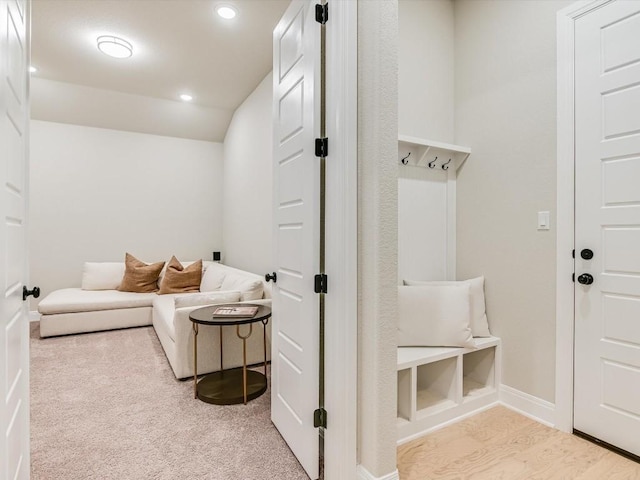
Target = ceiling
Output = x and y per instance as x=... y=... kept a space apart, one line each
x=180 y=46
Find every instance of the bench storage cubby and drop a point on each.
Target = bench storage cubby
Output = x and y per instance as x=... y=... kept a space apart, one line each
x=437 y=385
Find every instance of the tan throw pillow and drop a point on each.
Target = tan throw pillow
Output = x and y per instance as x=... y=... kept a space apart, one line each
x=140 y=277
x=178 y=279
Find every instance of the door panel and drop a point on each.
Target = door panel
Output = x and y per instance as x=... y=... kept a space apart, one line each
x=618 y=182
x=620 y=249
x=607 y=323
x=615 y=105
x=621 y=387
x=14 y=327
x=620 y=318
x=296 y=213
x=616 y=51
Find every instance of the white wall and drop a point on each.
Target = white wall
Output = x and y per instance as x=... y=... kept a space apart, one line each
x=425 y=110
x=248 y=172
x=377 y=237
x=506 y=112
x=426 y=69
x=96 y=194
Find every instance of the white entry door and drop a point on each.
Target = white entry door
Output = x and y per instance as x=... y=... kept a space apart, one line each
x=296 y=217
x=607 y=143
x=14 y=328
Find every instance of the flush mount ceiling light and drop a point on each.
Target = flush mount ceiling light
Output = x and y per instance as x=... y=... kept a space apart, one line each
x=32 y=69
x=186 y=97
x=226 y=11
x=114 y=46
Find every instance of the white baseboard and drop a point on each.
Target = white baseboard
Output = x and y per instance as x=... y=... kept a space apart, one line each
x=34 y=316
x=533 y=407
x=364 y=474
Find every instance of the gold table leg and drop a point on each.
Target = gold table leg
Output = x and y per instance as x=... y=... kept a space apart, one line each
x=221 y=362
x=264 y=344
x=195 y=360
x=244 y=358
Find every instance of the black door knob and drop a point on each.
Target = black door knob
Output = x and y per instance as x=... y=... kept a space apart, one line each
x=585 y=279
x=25 y=292
x=587 y=254
x=271 y=276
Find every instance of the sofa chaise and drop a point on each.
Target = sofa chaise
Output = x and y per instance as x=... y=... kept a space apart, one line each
x=98 y=305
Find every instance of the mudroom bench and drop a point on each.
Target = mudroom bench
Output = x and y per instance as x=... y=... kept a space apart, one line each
x=438 y=385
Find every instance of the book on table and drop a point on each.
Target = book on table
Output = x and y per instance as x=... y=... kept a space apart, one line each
x=244 y=311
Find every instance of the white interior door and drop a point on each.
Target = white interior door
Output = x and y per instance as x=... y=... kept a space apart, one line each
x=14 y=331
x=607 y=323
x=296 y=114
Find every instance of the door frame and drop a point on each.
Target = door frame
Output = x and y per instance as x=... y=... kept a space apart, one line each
x=341 y=240
x=565 y=217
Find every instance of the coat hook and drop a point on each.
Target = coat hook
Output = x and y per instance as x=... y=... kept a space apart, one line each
x=433 y=163
x=404 y=160
x=445 y=166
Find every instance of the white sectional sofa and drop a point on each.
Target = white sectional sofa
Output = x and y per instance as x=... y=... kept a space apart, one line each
x=99 y=306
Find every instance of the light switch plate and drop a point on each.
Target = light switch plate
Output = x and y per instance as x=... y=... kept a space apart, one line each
x=543 y=221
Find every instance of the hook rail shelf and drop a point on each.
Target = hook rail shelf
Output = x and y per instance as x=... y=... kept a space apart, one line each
x=431 y=154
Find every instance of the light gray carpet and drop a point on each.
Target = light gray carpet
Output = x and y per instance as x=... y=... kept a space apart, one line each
x=107 y=406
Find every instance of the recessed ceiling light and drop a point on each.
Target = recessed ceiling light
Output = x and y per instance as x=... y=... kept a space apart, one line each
x=185 y=97
x=114 y=46
x=226 y=11
x=32 y=69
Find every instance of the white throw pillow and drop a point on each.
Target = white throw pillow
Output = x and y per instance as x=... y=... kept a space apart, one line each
x=207 y=298
x=479 y=323
x=434 y=316
x=102 y=275
x=249 y=288
x=212 y=278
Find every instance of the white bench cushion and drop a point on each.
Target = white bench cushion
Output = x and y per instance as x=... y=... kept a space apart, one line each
x=479 y=323
x=434 y=316
x=73 y=300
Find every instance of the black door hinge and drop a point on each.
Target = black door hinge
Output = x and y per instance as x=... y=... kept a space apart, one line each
x=320 y=283
x=322 y=147
x=573 y=277
x=573 y=253
x=320 y=418
x=322 y=13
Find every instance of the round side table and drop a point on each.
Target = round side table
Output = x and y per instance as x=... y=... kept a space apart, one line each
x=236 y=385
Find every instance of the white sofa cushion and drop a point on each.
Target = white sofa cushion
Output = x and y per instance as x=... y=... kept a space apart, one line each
x=165 y=307
x=434 y=316
x=212 y=277
x=81 y=322
x=249 y=288
x=72 y=300
x=102 y=275
x=206 y=298
x=479 y=323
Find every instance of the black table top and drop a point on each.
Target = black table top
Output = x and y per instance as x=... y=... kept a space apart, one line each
x=204 y=316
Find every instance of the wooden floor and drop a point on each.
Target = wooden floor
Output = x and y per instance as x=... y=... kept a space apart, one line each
x=501 y=444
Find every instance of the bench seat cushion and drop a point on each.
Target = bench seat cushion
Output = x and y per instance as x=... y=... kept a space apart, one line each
x=73 y=300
